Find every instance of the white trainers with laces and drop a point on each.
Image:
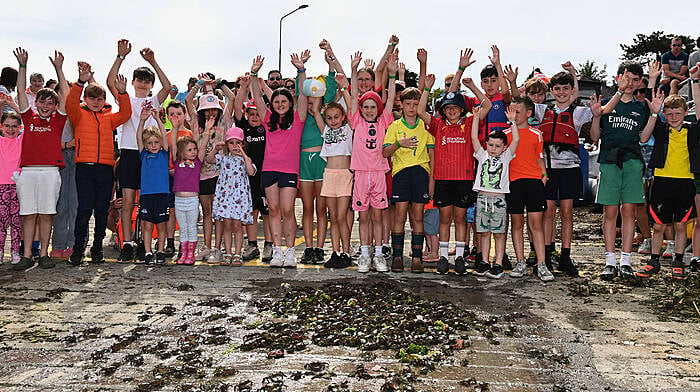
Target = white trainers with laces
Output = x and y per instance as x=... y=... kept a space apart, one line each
x=544 y=273
x=290 y=259
x=380 y=264
x=645 y=247
x=363 y=263
x=277 y=260
x=519 y=270
x=670 y=249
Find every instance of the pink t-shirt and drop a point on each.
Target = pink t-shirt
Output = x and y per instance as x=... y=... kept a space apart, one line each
x=368 y=142
x=10 y=152
x=283 y=146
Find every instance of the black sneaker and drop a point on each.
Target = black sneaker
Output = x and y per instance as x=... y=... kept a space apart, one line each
x=472 y=255
x=386 y=252
x=609 y=273
x=76 y=258
x=46 y=262
x=626 y=273
x=694 y=265
x=505 y=262
x=149 y=258
x=140 y=252
x=308 y=256
x=160 y=258
x=495 y=272
x=96 y=255
x=169 y=250
x=443 y=266
x=460 y=266
x=334 y=261
x=480 y=267
x=566 y=265
x=678 y=270
x=24 y=263
x=345 y=260
x=319 y=255
x=127 y=253
x=652 y=267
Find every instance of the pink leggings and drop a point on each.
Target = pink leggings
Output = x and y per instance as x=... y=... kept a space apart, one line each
x=9 y=216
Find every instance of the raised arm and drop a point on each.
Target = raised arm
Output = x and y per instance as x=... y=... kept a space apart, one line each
x=161 y=127
x=425 y=94
x=255 y=86
x=422 y=56
x=568 y=67
x=173 y=144
x=391 y=66
x=484 y=101
x=318 y=116
x=145 y=114
x=465 y=60
x=654 y=73
x=694 y=76
x=298 y=62
x=380 y=77
x=476 y=144
x=515 y=140
x=57 y=62
x=150 y=57
x=8 y=100
x=189 y=100
x=655 y=105
x=595 y=105
x=354 y=63
x=622 y=82
x=241 y=96
x=123 y=49
x=511 y=76
x=496 y=61
x=330 y=55
x=343 y=84
x=22 y=57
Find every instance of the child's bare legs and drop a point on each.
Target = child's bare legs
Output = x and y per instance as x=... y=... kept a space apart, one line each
x=609 y=230
x=218 y=234
x=446 y=216
x=378 y=226
x=485 y=245
x=338 y=206
x=461 y=236
x=415 y=212
x=227 y=233
x=680 y=228
x=550 y=224
x=162 y=234
x=237 y=237
x=29 y=225
x=207 y=222
x=286 y=200
x=332 y=203
x=128 y=198
x=364 y=227
x=272 y=193
x=627 y=211
x=147 y=236
x=251 y=230
x=500 y=239
x=45 y=225
x=308 y=194
x=387 y=219
x=534 y=220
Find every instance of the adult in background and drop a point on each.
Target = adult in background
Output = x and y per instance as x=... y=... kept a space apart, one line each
x=674 y=64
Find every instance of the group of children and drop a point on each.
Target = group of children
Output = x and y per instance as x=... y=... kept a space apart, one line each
x=369 y=147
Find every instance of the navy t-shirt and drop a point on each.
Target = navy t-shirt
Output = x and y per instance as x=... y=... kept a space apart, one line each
x=155 y=175
x=674 y=62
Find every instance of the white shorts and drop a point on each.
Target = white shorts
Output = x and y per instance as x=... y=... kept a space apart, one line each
x=38 y=189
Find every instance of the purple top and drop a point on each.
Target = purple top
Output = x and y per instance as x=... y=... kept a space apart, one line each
x=186 y=177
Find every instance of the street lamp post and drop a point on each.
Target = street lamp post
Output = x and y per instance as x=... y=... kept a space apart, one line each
x=279 y=56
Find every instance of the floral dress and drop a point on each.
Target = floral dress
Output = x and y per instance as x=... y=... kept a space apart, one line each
x=232 y=198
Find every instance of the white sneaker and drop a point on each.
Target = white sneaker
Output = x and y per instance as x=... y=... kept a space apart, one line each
x=544 y=273
x=519 y=270
x=645 y=247
x=16 y=257
x=277 y=258
x=202 y=253
x=380 y=264
x=363 y=263
x=670 y=249
x=290 y=259
x=215 y=256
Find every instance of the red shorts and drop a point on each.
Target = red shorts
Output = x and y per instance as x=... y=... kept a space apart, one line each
x=369 y=190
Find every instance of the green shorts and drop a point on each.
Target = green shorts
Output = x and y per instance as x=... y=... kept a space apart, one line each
x=624 y=185
x=311 y=166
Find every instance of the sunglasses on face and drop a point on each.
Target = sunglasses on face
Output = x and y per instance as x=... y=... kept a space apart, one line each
x=676 y=45
x=290 y=87
x=276 y=78
x=641 y=91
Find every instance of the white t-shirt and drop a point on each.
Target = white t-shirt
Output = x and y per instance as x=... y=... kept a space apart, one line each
x=564 y=159
x=337 y=142
x=127 y=132
x=492 y=173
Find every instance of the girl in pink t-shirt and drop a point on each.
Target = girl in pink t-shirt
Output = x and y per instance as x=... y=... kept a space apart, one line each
x=10 y=151
x=284 y=125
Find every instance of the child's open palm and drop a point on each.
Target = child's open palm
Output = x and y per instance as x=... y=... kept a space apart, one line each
x=657 y=101
x=84 y=71
x=496 y=57
x=257 y=63
x=595 y=106
x=123 y=47
x=465 y=58
x=120 y=83
x=57 y=59
x=355 y=59
x=21 y=55
x=148 y=55
x=511 y=113
x=510 y=73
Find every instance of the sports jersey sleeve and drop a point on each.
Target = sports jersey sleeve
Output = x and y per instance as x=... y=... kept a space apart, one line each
x=430 y=143
x=435 y=124
x=391 y=135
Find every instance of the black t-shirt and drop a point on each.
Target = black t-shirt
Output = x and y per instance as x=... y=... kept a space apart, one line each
x=255 y=141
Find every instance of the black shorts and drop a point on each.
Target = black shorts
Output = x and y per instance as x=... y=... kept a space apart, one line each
x=208 y=187
x=154 y=208
x=564 y=184
x=456 y=193
x=283 y=180
x=526 y=193
x=672 y=200
x=171 y=197
x=410 y=184
x=257 y=194
x=129 y=173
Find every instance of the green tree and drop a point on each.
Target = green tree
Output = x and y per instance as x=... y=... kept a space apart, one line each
x=591 y=70
x=646 y=48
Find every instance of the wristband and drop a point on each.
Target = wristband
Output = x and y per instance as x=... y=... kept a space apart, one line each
x=121 y=57
x=619 y=92
x=253 y=74
x=343 y=89
x=653 y=115
x=398 y=144
x=695 y=80
x=392 y=44
x=80 y=83
x=23 y=65
x=544 y=175
x=426 y=89
x=392 y=76
x=200 y=83
x=331 y=58
x=302 y=70
x=461 y=68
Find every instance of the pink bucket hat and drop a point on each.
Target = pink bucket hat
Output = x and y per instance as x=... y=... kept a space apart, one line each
x=208 y=101
x=234 y=133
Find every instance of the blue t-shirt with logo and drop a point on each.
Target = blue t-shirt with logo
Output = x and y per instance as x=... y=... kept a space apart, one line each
x=154 y=172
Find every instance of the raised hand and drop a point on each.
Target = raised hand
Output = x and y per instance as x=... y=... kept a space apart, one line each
x=84 y=72
x=496 y=57
x=209 y=124
x=512 y=75
x=429 y=80
x=257 y=64
x=402 y=69
x=369 y=64
x=120 y=84
x=595 y=105
x=305 y=56
x=355 y=59
x=568 y=67
x=475 y=112
x=342 y=80
x=465 y=58
x=422 y=56
x=123 y=47
x=394 y=40
x=657 y=101
x=511 y=113
x=148 y=55
x=21 y=55
x=623 y=81
x=297 y=62
x=392 y=63
x=146 y=111
x=654 y=70
x=244 y=81
x=57 y=59
x=468 y=83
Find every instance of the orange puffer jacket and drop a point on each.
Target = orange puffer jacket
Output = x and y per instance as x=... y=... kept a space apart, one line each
x=94 y=142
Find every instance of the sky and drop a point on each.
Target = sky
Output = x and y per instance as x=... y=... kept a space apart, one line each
x=223 y=37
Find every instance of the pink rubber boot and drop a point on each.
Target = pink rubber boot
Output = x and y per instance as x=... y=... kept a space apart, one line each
x=183 y=252
x=189 y=260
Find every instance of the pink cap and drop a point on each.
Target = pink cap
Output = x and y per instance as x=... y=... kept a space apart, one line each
x=234 y=133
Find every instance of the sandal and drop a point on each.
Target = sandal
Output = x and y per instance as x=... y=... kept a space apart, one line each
x=227 y=259
x=237 y=261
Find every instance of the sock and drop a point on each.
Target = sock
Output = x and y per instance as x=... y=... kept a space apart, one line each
x=459 y=248
x=171 y=242
x=679 y=257
x=417 y=245
x=378 y=250
x=548 y=249
x=625 y=259
x=36 y=244
x=253 y=243
x=610 y=259
x=365 y=250
x=149 y=253
x=565 y=253
x=397 y=244
x=444 y=249
x=532 y=246
x=479 y=257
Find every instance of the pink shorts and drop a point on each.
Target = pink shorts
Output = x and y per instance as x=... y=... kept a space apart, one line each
x=369 y=190
x=336 y=183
